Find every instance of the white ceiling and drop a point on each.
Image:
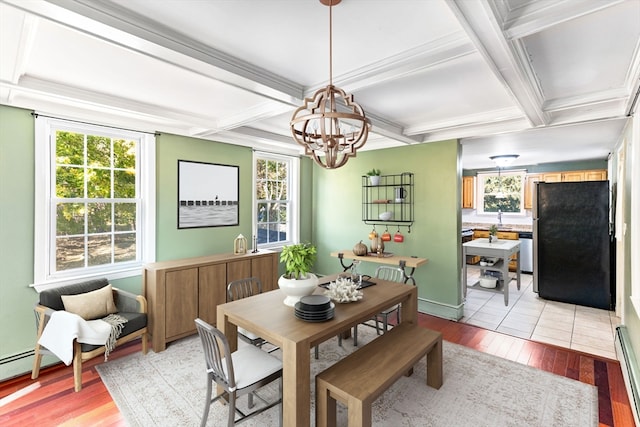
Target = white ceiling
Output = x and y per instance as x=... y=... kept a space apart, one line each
x=550 y=80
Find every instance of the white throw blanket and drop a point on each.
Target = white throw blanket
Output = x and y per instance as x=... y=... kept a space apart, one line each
x=63 y=327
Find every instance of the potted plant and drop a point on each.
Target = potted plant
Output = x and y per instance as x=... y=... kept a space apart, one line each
x=374 y=176
x=492 y=233
x=297 y=281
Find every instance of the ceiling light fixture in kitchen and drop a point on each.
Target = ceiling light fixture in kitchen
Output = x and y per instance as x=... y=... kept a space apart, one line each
x=330 y=126
x=504 y=159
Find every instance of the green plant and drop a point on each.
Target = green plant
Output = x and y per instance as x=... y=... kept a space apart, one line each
x=298 y=260
x=374 y=172
x=493 y=230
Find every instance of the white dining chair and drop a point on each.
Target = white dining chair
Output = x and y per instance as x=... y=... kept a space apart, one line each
x=239 y=373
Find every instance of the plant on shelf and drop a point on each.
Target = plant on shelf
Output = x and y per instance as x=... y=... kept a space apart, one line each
x=298 y=280
x=492 y=233
x=374 y=176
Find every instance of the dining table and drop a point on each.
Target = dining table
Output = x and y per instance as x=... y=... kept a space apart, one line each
x=267 y=316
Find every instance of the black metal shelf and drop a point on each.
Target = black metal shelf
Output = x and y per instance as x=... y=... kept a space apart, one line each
x=380 y=198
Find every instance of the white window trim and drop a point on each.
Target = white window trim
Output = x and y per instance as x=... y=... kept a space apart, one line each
x=43 y=226
x=294 y=198
x=480 y=193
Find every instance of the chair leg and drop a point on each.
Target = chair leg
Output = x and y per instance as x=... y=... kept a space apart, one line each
x=207 y=403
x=145 y=343
x=77 y=365
x=355 y=336
x=250 y=397
x=232 y=408
x=37 y=361
x=317 y=352
x=385 y=323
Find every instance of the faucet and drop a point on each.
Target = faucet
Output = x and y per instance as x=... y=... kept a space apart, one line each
x=499 y=218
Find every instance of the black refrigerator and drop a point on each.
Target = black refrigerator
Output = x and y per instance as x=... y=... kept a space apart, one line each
x=572 y=244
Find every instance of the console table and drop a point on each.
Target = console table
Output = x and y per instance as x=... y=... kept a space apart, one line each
x=501 y=249
x=401 y=261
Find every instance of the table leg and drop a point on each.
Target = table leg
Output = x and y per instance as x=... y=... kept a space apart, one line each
x=518 y=270
x=464 y=272
x=505 y=278
x=296 y=371
x=409 y=308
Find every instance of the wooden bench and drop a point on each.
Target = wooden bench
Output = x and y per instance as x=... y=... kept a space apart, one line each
x=358 y=379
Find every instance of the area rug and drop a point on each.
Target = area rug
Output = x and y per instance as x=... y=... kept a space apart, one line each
x=168 y=389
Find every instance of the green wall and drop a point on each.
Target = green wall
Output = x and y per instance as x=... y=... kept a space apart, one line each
x=17 y=330
x=435 y=234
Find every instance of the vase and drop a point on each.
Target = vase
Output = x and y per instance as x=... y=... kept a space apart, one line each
x=374 y=179
x=295 y=289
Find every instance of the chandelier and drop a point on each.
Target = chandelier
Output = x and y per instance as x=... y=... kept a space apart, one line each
x=330 y=126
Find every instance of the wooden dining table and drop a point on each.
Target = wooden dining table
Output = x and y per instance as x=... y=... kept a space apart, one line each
x=268 y=317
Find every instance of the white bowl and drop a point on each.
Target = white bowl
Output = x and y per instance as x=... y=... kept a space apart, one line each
x=386 y=216
x=488 y=282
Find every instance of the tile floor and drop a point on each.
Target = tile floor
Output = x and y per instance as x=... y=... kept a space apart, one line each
x=586 y=329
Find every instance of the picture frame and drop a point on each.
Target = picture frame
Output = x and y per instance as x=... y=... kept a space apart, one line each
x=208 y=194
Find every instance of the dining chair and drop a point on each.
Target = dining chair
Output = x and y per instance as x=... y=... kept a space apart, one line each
x=392 y=274
x=243 y=288
x=239 y=373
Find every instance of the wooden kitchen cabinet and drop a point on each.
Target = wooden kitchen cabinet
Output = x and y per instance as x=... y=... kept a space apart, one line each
x=468 y=192
x=529 y=187
x=569 y=176
x=179 y=291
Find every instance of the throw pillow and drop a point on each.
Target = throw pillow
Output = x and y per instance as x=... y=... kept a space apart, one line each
x=91 y=305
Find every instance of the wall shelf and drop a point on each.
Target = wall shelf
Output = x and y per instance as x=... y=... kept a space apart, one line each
x=395 y=194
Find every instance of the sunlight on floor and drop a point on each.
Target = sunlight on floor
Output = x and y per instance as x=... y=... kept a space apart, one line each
x=585 y=329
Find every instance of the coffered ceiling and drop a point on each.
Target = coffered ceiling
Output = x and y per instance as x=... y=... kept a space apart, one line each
x=549 y=80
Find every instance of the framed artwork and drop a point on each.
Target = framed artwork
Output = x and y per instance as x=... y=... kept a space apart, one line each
x=208 y=194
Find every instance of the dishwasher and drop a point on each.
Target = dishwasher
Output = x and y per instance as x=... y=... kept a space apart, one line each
x=526 y=251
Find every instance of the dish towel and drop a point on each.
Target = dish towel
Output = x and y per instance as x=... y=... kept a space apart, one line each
x=63 y=327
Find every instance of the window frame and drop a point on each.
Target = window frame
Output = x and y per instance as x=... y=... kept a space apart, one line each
x=480 y=180
x=293 y=185
x=45 y=209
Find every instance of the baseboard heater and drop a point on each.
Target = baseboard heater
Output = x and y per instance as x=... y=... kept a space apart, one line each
x=630 y=370
x=17 y=356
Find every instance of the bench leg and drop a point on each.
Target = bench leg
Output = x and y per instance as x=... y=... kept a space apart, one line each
x=359 y=413
x=325 y=406
x=434 y=365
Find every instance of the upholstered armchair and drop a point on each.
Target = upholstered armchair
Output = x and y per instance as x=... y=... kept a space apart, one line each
x=90 y=300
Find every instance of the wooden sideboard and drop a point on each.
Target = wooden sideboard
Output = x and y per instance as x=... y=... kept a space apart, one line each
x=179 y=291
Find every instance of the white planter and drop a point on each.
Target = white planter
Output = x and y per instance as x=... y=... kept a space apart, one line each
x=374 y=179
x=295 y=289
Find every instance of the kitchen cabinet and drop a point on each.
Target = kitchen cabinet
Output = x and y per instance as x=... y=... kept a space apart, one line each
x=394 y=195
x=468 y=192
x=568 y=176
x=529 y=185
x=179 y=291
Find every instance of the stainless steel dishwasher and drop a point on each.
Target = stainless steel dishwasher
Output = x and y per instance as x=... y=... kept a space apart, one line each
x=526 y=251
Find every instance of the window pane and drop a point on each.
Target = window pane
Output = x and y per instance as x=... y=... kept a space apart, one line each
x=70 y=219
x=124 y=154
x=125 y=216
x=125 y=247
x=69 y=182
x=263 y=233
x=98 y=151
x=99 y=249
x=69 y=253
x=98 y=183
x=124 y=184
x=262 y=212
x=273 y=212
x=69 y=148
x=99 y=217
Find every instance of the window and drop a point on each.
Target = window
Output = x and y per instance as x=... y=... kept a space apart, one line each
x=275 y=202
x=94 y=201
x=501 y=192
